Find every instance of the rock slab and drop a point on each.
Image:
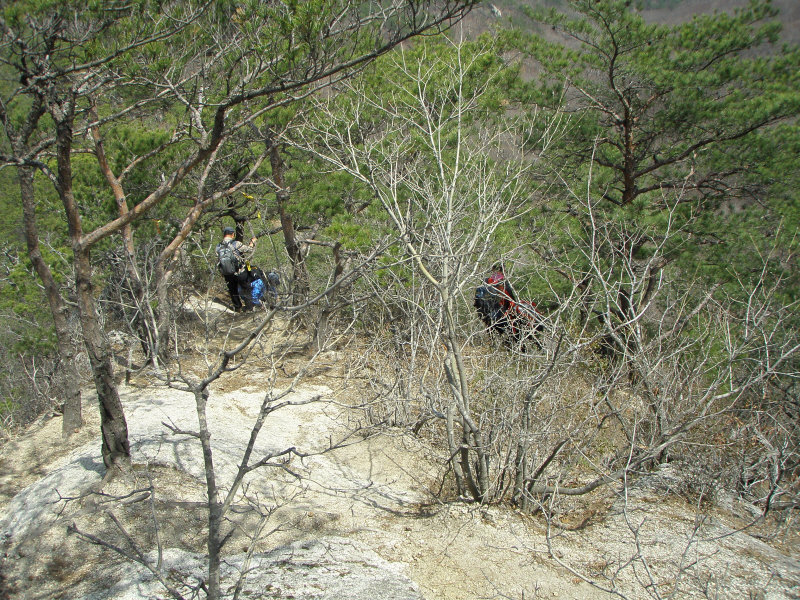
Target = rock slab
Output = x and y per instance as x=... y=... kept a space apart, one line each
x=322 y=569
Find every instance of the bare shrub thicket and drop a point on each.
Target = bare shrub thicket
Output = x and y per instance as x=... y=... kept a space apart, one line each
x=698 y=377
x=689 y=395
x=640 y=363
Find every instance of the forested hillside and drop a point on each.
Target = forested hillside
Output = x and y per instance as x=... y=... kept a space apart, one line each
x=614 y=184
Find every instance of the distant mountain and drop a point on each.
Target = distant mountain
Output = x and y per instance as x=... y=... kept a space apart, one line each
x=505 y=12
x=675 y=11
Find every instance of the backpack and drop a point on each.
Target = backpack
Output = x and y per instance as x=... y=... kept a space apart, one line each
x=254 y=274
x=487 y=304
x=230 y=261
x=257 y=291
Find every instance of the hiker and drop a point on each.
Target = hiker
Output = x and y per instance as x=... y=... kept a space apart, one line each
x=273 y=281
x=256 y=285
x=493 y=300
x=498 y=282
x=233 y=256
x=502 y=312
x=261 y=288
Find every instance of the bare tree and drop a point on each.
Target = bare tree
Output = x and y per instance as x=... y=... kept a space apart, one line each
x=446 y=183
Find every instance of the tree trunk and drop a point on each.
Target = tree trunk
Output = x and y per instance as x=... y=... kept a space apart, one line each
x=68 y=373
x=451 y=444
x=142 y=321
x=215 y=540
x=477 y=479
x=115 y=449
x=299 y=272
x=519 y=498
x=164 y=270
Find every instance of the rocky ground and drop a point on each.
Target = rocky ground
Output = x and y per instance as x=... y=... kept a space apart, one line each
x=361 y=521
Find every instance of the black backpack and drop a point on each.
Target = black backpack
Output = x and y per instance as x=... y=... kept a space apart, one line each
x=256 y=273
x=487 y=305
x=230 y=261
